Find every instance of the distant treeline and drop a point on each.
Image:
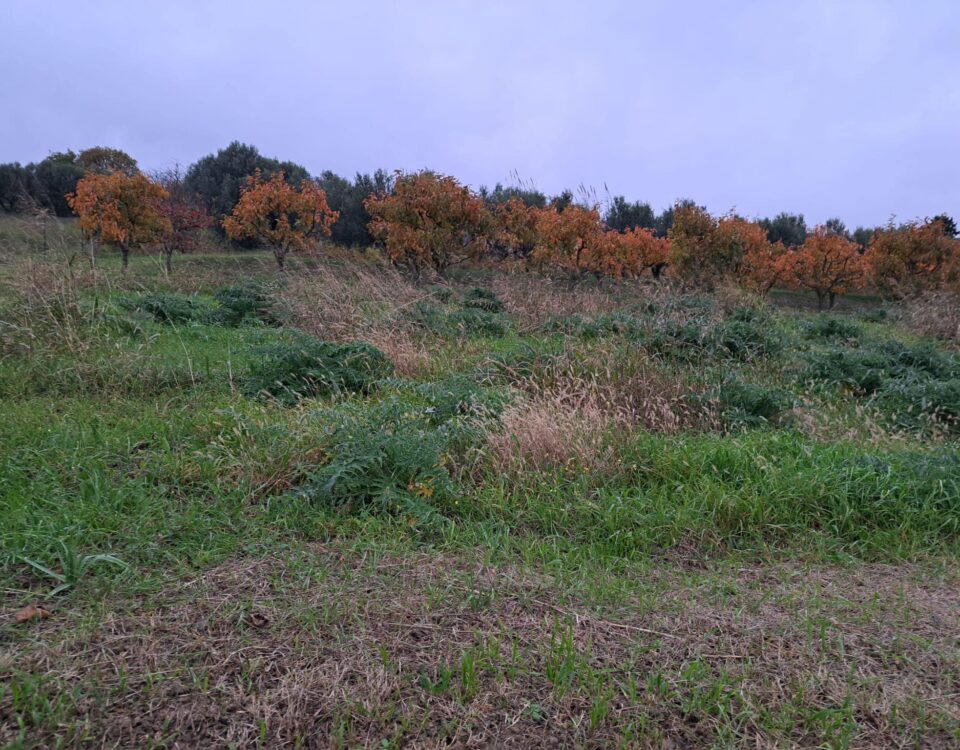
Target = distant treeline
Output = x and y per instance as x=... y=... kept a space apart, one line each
x=217 y=180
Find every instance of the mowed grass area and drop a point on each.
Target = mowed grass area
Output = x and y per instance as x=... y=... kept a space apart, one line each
x=602 y=515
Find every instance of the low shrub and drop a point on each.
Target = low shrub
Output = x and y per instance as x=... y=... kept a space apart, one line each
x=876 y=315
x=307 y=367
x=243 y=302
x=390 y=458
x=867 y=370
x=441 y=293
x=924 y=402
x=463 y=323
x=861 y=371
x=831 y=328
x=686 y=340
x=923 y=358
x=747 y=315
x=458 y=396
x=736 y=338
x=599 y=326
x=482 y=299
x=476 y=322
x=746 y=338
x=521 y=361
x=750 y=405
x=696 y=302
x=168 y=307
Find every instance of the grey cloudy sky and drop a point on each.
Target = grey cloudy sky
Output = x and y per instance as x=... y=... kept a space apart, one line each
x=843 y=107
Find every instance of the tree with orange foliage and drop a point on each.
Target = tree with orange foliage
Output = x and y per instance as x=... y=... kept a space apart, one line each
x=513 y=231
x=764 y=266
x=281 y=216
x=705 y=250
x=574 y=241
x=641 y=249
x=826 y=264
x=120 y=209
x=428 y=221
x=691 y=251
x=912 y=257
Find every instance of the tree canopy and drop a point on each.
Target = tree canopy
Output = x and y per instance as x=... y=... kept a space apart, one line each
x=218 y=179
x=281 y=216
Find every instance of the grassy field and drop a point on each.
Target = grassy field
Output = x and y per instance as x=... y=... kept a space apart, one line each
x=521 y=514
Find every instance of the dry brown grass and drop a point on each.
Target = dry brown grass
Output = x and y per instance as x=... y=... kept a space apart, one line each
x=534 y=299
x=353 y=302
x=335 y=650
x=934 y=314
x=42 y=305
x=576 y=409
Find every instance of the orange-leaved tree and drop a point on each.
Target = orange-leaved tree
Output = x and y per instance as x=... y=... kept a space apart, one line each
x=428 y=221
x=641 y=249
x=827 y=264
x=691 y=250
x=120 y=209
x=513 y=229
x=705 y=250
x=764 y=266
x=283 y=217
x=912 y=257
x=573 y=242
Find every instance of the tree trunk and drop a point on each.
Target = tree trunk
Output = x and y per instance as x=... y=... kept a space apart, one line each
x=168 y=261
x=833 y=298
x=125 y=257
x=280 y=255
x=820 y=298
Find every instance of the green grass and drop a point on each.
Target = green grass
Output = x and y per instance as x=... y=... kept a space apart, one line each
x=762 y=575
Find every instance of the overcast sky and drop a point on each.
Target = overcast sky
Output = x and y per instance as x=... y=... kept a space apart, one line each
x=829 y=107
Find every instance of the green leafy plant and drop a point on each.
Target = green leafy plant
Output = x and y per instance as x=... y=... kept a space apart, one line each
x=73 y=566
x=684 y=341
x=861 y=371
x=599 y=326
x=923 y=402
x=306 y=367
x=243 y=302
x=831 y=327
x=390 y=457
x=749 y=404
x=746 y=339
x=483 y=299
x=167 y=307
x=457 y=323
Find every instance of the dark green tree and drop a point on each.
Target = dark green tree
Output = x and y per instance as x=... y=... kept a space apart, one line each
x=19 y=188
x=664 y=220
x=56 y=176
x=560 y=202
x=104 y=160
x=790 y=229
x=862 y=236
x=622 y=216
x=347 y=197
x=949 y=225
x=837 y=227
x=217 y=178
x=530 y=196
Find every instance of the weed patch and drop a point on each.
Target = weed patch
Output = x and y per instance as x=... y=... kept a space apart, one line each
x=306 y=367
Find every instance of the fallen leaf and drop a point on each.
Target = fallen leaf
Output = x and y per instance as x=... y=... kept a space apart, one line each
x=31 y=612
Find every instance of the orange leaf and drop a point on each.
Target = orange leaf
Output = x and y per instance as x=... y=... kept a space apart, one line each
x=31 y=612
